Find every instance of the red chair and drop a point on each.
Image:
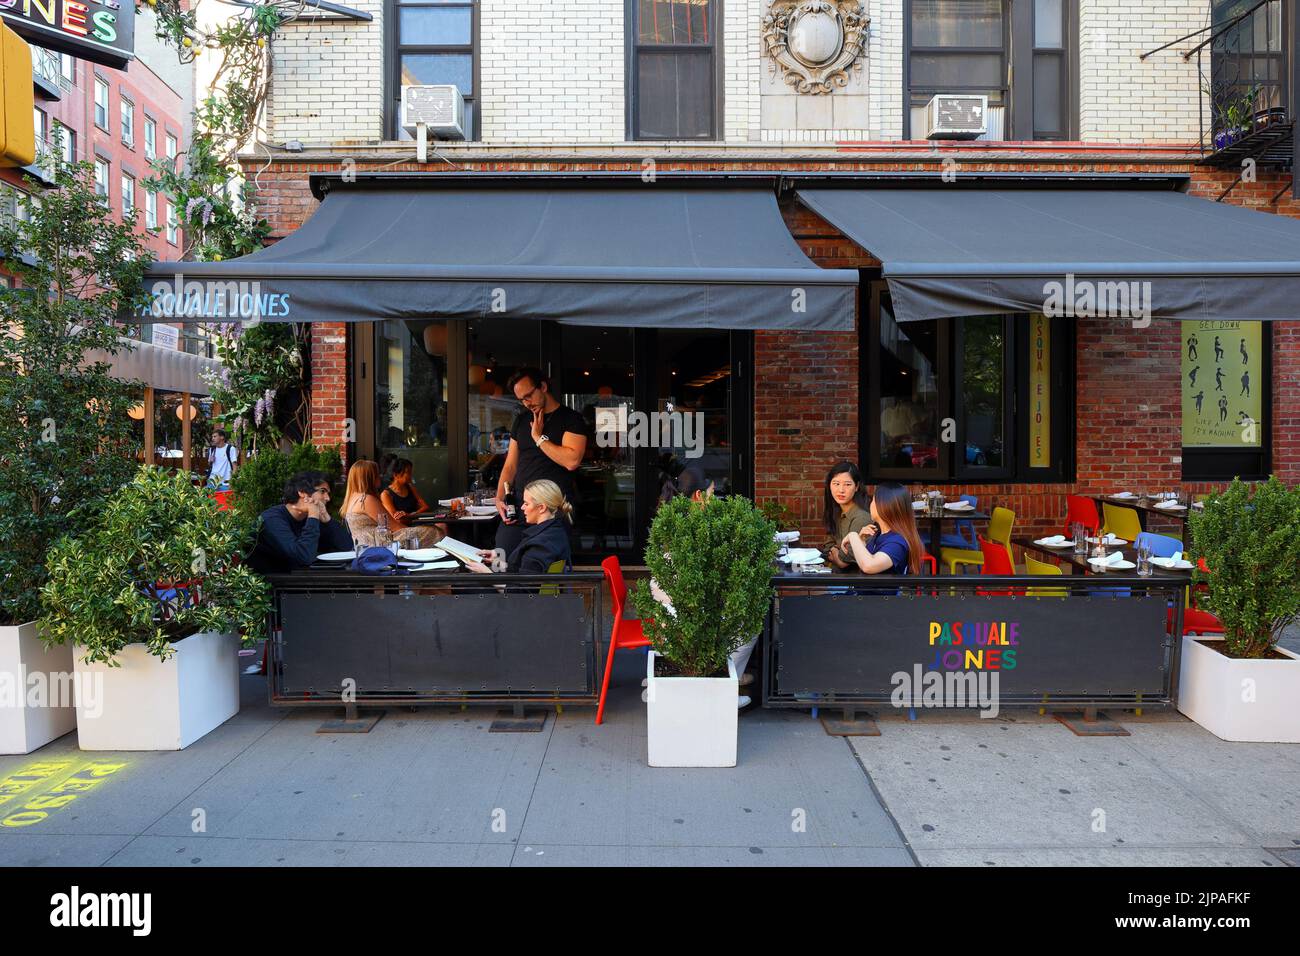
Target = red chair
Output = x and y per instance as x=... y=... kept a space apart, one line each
x=997 y=560
x=626 y=633
x=1196 y=621
x=223 y=499
x=1081 y=510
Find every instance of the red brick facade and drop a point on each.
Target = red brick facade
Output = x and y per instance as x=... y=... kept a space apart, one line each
x=1128 y=413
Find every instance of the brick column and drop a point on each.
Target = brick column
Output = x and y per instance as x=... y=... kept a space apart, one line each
x=329 y=383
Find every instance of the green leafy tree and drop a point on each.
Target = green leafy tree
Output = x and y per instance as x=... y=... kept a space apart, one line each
x=159 y=563
x=261 y=386
x=65 y=437
x=713 y=558
x=1250 y=541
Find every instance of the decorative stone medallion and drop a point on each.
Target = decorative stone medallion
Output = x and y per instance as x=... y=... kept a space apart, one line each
x=815 y=42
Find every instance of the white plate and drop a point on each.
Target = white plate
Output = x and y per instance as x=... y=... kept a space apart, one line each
x=919 y=506
x=1123 y=494
x=1109 y=539
x=1053 y=544
x=1171 y=507
x=422 y=554
x=446 y=502
x=438 y=565
x=1169 y=565
x=1117 y=566
x=336 y=556
x=963 y=506
x=482 y=509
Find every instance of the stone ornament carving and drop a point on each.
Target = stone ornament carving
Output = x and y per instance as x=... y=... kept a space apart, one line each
x=815 y=42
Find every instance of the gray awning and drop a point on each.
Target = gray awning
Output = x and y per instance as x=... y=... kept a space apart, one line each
x=950 y=251
x=637 y=255
x=162 y=368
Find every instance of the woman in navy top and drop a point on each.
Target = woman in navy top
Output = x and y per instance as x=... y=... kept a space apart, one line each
x=890 y=544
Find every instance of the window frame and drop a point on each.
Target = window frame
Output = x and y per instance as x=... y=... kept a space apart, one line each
x=171 y=144
x=632 y=99
x=171 y=223
x=107 y=166
x=393 y=51
x=150 y=138
x=68 y=68
x=126 y=120
x=128 y=195
x=952 y=468
x=151 y=210
x=101 y=84
x=1224 y=464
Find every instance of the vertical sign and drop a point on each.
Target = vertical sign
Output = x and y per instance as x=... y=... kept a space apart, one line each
x=1222 y=368
x=1040 y=391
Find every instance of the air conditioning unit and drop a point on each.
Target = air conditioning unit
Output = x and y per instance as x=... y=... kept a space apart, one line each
x=440 y=108
x=957 y=116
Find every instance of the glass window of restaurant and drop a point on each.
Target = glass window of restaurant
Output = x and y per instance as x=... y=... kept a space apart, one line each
x=975 y=399
x=456 y=428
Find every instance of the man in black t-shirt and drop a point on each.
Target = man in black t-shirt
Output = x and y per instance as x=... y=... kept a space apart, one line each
x=547 y=440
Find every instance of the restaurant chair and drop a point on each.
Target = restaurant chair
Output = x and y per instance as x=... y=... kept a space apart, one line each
x=964 y=535
x=1120 y=521
x=1000 y=524
x=996 y=561
x=557 y=567
x=1036 y=567
x=1081 y=510
x=1162 y=546
x=626 y=634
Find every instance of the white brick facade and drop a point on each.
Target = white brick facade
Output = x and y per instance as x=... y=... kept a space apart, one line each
x=551 y=72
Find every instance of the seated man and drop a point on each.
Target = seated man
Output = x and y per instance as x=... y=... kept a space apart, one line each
x=293 y=533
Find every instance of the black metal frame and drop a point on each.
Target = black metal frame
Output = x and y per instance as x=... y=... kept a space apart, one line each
x=632 y=94
x=392 y=86
x=588 y=639
x=922 y=589
x=1224 y=464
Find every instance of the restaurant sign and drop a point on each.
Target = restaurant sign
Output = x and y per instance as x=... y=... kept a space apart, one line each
x=1222 y=370
x=102 y=31
x=1040 y=391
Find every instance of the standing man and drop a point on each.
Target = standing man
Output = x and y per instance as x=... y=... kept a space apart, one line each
x=547 y=440
x=221 y=461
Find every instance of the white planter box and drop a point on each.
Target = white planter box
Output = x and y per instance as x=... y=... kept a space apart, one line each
x=691 y=721
x=149 y=704
x=28 y=669
x=1248 y=700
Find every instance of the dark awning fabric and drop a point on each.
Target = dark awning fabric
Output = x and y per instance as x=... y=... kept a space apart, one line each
x=961 y=251
x=640 y=255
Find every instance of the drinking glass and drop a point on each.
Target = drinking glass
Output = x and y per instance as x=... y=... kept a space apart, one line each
x=1144 y=559
x=1080 y=538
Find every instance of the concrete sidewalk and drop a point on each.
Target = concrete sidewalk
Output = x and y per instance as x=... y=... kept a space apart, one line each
x=433 y=787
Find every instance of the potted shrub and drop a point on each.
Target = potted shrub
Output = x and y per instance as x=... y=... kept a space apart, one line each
x=65 y=437
x=259 y=483
x=712 y=559
x=1242 y=686
x=153 y=597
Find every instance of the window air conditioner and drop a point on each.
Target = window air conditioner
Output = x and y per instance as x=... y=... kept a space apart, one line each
x=440 y=108
x=957 y=116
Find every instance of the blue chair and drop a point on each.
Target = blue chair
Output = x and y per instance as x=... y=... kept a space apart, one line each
x=1162 y=546
x=964 y=536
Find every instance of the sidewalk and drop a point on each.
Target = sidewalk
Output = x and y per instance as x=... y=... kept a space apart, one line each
x=433 y=787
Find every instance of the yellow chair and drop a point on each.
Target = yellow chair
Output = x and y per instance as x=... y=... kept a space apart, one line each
x=1000 y=524
x=552 y=590
x=1033 y=567
x=1120 y=521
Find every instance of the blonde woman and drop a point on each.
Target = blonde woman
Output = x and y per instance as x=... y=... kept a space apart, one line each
x=545 y=538
x=362 y=509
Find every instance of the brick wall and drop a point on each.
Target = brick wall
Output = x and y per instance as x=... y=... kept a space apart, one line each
x=1128 y=416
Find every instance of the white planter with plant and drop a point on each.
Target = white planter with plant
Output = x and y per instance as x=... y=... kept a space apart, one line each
x=712 y=559
x=36 y=688
x=153 y=598
x=1242 y=686
x=65 y=436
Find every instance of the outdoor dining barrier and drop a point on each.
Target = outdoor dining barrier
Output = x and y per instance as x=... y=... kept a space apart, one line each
x=339 y=638
x=849 y=642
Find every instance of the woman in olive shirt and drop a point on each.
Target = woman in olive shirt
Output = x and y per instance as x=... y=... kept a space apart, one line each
x=845 y=512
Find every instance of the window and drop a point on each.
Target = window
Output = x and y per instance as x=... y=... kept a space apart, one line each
x=65 y=140
x=975 y=46
x=172 y=230
x=1226 y=399
x=128 y=197
x=101 y=179
x=128 y=122
x=1249 y=73
x=101 y=103
x=150 y=139
x=981 y=398
x=68 y=68
x=172 y=147
x=437 y=42
x=673 y=62
x=150 y=210
x=38 y=125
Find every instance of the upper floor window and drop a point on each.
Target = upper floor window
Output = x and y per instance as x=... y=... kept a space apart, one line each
x=977 y=47
x=128 y=122
x=128 y=197
x=173 y=227
x=673 y=62
x=101 y=179
x=66 y=142
x=101 y=103
x=150 y=139
x=436 y=42
x=150 y=210
x=1249 y=75
x=171 y=146
x=68 y=68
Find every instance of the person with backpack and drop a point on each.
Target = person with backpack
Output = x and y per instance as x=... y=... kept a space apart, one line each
x=222 y=457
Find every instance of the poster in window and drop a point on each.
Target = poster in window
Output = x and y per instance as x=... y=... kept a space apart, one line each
x=1222 y=370
x=1040 y=391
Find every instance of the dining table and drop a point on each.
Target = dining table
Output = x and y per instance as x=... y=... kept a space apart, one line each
x=1146 y=506
x=936 y=524
x=1079 y=562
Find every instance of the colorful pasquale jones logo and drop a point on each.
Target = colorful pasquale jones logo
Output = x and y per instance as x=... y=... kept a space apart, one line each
x=963 y=663
x=97 y=30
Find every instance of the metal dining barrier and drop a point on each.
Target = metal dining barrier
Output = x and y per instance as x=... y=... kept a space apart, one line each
x=840 y=640
x=434 y=638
